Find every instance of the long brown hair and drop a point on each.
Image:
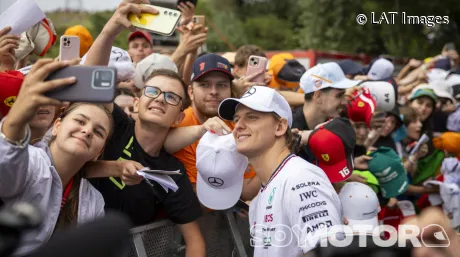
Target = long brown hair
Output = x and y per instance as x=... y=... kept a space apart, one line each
x=69 y=213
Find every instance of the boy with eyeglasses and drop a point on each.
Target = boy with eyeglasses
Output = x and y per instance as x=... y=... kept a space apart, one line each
x=159 y=106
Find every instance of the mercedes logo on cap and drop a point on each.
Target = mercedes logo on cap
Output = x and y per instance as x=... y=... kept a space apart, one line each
x=250 y=92
x=216 y=182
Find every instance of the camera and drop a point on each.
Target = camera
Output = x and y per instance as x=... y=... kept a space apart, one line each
x=253 y=61
x=103 y=78
x=66 y=42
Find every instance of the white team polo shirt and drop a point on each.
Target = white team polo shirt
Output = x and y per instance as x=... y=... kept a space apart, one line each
x=297 y=200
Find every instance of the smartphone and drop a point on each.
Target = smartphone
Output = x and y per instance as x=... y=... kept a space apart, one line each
x=194 y=2
x=95 y=84
x=199 y=19
x=69 y=48
x=163 y=23
x=257 y=64
x=241 y=205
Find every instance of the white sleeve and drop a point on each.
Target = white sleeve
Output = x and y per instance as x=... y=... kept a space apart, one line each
x=314 y=207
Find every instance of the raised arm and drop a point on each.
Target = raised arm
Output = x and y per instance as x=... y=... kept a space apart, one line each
x=99 y=53
x=15 y=135
x=181 y=137
x=8 y=43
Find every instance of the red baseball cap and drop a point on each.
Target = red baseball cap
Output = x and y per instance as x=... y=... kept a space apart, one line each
x=140 y=33
x=11 y=82
x=361 y=107
x=332 y=146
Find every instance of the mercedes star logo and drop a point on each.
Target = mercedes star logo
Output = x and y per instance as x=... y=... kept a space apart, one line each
x=216 y=182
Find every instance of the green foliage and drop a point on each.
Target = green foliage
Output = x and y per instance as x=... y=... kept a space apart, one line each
x=306 y=24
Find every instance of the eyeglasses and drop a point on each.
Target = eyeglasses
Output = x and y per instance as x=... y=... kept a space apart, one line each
x=170 y=97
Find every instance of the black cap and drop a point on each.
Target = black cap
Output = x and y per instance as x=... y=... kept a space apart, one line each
x=350 y=67
x=208 y=63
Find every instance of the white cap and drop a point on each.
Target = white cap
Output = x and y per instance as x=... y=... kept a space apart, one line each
x=220 y=171
x=150 y=63
x=453 y=79
x=360 y=204
x=383 y=93
x=436 y=74
x=381 y=69
x=323 y=76
x=440 y=87
x=120 y=60
x=258 y=98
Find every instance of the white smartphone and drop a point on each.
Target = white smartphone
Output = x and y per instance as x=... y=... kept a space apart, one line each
x=69 y=48
x=163 y=23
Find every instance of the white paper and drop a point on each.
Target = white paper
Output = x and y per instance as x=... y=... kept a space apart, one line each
x=164 y=180
x=21 y=16
x=163 y=172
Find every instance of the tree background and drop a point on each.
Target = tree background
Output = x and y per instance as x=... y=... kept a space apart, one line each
x=306 y=24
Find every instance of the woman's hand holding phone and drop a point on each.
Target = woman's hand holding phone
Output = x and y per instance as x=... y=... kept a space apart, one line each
x=32 y=95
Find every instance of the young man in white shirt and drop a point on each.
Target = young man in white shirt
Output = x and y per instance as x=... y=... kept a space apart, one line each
x=297 y=199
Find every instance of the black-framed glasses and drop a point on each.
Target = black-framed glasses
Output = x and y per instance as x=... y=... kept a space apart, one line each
x=170 y=97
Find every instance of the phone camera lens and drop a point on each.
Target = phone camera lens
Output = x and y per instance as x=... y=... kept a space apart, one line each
x=166 y=12
x=65 y=39
x=105 y=76
x=170 y=13
x=175 y=14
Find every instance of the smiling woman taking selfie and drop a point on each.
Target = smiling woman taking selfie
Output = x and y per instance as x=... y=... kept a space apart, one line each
x=50 y=173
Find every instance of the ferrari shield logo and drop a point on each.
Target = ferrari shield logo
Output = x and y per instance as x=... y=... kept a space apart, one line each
x=10 y=101
x=325 y=157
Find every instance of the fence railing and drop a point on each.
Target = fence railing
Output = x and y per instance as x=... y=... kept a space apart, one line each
x=225 y=234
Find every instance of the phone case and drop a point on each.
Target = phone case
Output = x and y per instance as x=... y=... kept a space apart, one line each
x=69 y=48
x=199 y=19
x=257 y=64
x=95 y=84
x=164 y=23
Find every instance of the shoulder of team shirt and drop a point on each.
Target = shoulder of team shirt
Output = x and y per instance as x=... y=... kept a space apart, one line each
x=297 y=165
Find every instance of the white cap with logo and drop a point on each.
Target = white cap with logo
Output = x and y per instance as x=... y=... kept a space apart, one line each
x=258 y=98
x=383 y=93
x=360 y=205
x=381 y=69
x=150 y=63
x=220 y=171
x=323 y=76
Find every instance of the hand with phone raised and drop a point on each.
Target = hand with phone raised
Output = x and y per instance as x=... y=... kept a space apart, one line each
x=32 y=96
x=120 y=20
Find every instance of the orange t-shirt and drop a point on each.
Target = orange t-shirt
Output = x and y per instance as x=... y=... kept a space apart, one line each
x=187 y=155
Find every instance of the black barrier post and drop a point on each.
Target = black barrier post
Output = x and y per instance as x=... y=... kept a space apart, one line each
x=237 y=241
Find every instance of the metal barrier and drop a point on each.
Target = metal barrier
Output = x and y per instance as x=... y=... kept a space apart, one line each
x=225 y=234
